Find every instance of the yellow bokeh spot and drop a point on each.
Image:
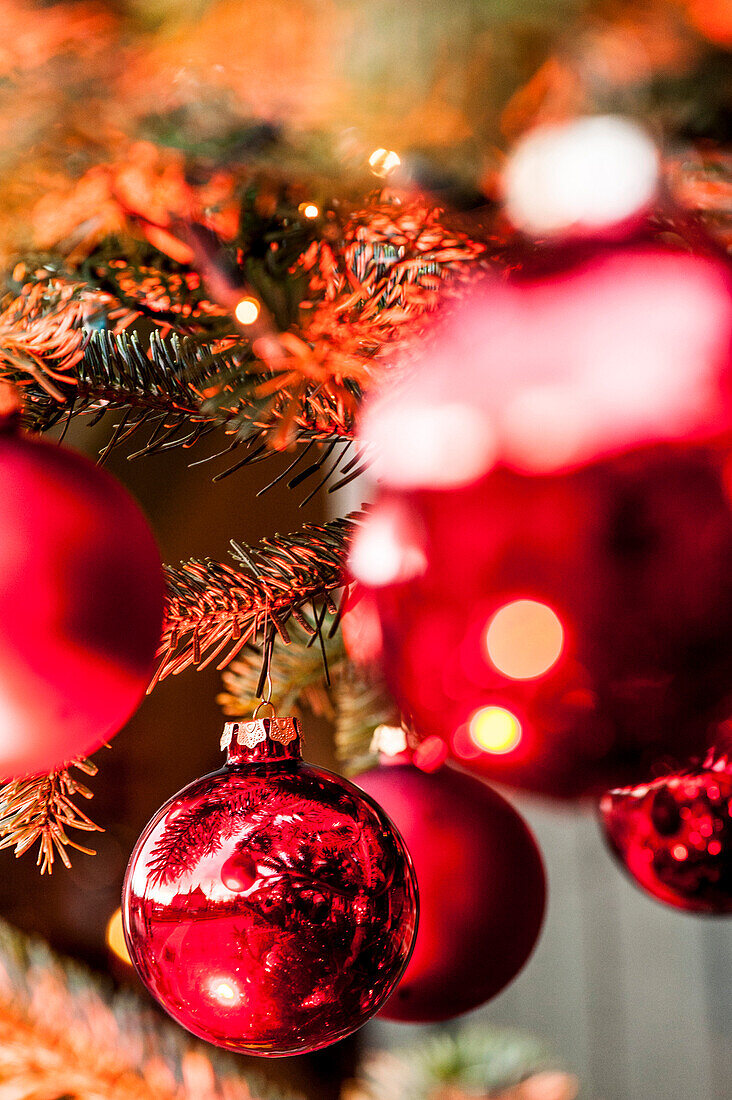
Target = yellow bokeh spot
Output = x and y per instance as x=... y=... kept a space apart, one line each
x=247 y=311
x=524 y=639
x=495 y=730
x=384 y=161
x=116 y=937
x=308 y=210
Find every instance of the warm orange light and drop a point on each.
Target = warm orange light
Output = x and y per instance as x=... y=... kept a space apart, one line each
x=247 y=311
x=524 y=639
x=116 y=937
x=308 y=210
x=495 y=730
x=384 y=161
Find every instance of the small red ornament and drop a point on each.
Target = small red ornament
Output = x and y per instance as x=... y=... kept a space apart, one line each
x=481 y=887
x=674 y=837
x=560 y=633
x=81 y=605
x=270 y=907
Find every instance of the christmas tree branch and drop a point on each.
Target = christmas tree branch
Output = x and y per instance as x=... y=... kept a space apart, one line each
x=298 y=670
x=42 y=337
x=471 y=1062
x=62 y=1034
x=362 y=703
x=214 y=608
x=40 y=808
x=367 y=292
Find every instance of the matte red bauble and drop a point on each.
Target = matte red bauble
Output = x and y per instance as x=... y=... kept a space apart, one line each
x=674 y=837
x=481 y=888
x=81 y=605
x=560 y=632
x=270 y=907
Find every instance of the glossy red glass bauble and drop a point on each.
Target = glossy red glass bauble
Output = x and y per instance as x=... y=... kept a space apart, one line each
x=674 y=837
x=270 y=907
x=481 y=888
x=81 y=605
x=628 y=562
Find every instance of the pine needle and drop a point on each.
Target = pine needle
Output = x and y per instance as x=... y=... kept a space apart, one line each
x=215 y=610
x=40 y=808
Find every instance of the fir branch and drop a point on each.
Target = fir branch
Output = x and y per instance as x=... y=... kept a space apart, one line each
x=297 y=671
x=42 y=337
x=362 y=702
x=472 y=1062
x=64 y=1034
x=40 y=808
x=146 y=281
x=168 y=389
x=215 y=609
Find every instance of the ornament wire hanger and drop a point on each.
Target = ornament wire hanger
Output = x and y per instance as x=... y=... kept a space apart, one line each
x=266 y=698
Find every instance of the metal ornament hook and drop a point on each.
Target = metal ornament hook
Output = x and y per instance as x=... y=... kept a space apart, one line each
x=265 y=703
x=266 y=698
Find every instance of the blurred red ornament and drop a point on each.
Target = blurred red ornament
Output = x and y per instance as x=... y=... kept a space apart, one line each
x=81 y=605
x=674 y=837
x=360 y=627
x=270 y=907
x=585 y=351
x=481 y=887
x=563 y=632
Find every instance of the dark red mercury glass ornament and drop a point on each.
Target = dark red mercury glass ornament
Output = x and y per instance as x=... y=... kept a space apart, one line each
x=81 y=605
x=561 y=632
x=674 y=837
x=481 y=883
x=270 y=907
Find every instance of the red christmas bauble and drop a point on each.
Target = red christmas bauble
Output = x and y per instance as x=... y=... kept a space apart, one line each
x=560 y=632
x=81 y=605
x=674 y=837
x=481 y=888
x=270 y=907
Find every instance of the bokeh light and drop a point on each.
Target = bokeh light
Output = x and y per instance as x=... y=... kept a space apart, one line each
x=247 y=311
x=430 y=754
x=384 y=551
x=524 y=639
x=463 y=745
x=495 y=730
x=383 y=162
x=308 y=210
x=116 y=939
x=588 y=173
x=436 y=445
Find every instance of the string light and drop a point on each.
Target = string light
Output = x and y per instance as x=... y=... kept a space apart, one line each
x=116 y=939
x=383 y=162
x=247 y=311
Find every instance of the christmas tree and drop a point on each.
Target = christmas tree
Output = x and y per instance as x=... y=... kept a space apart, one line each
x=476 y=273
